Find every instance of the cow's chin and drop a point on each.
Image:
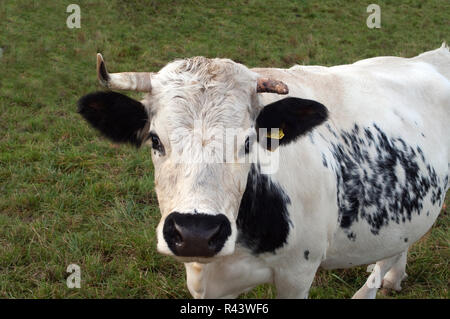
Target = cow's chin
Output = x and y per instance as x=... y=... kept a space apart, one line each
x=201 y=260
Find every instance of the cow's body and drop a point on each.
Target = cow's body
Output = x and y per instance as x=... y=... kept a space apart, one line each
x=364 y=186
x=357 y=188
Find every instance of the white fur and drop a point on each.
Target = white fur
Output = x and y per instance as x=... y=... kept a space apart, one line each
x=222 y=94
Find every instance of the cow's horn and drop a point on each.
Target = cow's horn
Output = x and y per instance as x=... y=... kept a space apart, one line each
x=131 y=81
x=271 y=86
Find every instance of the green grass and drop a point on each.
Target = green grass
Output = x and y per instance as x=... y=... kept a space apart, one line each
x=68 y=196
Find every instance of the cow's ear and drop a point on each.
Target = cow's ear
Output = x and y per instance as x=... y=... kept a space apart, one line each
x=115 y=115
x=292 y=116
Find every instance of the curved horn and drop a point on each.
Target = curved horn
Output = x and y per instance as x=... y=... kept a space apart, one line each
x=271 y=86
x=131 y=81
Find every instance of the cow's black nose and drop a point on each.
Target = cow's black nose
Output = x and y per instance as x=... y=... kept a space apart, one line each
x=196 y=235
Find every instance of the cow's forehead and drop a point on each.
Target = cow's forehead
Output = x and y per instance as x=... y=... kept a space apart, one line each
x=217 y=91
x=205 y=70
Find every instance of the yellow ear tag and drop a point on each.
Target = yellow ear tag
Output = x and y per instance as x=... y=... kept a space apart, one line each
x=276 y=137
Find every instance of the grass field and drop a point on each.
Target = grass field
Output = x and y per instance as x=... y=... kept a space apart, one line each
x=68 y=196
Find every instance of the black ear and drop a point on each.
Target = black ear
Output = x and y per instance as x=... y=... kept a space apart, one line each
x=293 y=116
x=115 y=115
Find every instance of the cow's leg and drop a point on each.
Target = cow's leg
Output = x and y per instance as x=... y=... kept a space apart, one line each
x=370 y=288
x=397 y=273
x=226 y=278
x=296 y=281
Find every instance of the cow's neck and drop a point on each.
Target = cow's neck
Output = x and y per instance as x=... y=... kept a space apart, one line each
x=263 y=220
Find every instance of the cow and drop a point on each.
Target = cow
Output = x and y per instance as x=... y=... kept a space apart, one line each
x=362 y=165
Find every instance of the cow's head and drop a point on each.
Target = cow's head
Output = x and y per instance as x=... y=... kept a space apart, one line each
x=200 y=118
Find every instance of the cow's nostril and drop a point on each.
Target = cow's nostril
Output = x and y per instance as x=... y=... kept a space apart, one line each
x=196 y=235
x=178 y=239
x=177 y=235
x=215 y=239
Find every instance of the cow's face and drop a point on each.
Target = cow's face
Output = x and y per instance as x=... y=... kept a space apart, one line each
x=201 y=121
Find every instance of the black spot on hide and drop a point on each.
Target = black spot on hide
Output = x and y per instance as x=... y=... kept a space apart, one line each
x=263 y=219
x=381 y=179
x=306 y=254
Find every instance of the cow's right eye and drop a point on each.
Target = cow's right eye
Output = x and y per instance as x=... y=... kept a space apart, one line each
x=156 y=142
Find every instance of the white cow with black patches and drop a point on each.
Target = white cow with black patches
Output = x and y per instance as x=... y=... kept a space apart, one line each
x=363 y=165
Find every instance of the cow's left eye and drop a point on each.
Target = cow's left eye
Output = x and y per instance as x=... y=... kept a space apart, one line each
x=247 y=145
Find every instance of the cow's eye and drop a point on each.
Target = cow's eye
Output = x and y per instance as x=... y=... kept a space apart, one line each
x=156 y=142
x=247 y=145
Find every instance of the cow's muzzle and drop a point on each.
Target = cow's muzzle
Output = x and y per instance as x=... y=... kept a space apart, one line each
x=196 y=235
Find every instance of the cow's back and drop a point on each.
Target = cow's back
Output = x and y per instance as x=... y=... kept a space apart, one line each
x=405 y=94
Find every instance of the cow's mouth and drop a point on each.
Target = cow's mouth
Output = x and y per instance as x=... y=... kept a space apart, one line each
x=201 y=260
